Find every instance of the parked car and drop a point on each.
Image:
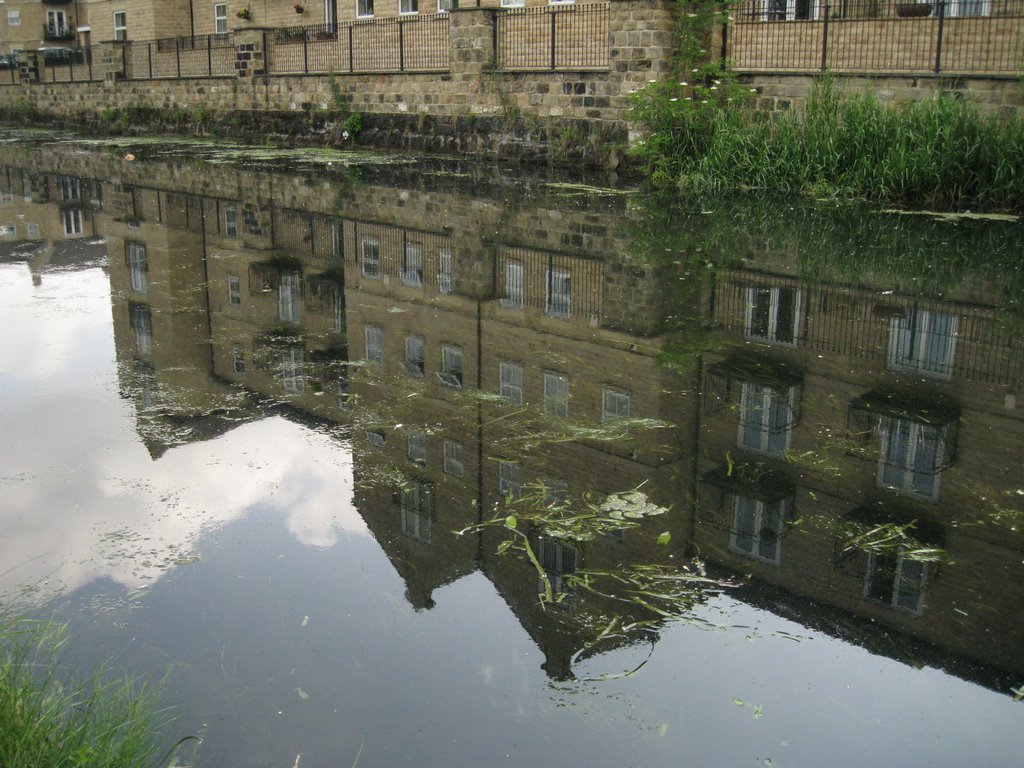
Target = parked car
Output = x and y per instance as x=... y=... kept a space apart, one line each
x=57 y=56
x=8 y=61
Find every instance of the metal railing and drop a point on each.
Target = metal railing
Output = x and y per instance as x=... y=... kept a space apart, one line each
x=414 y=44
x=948 y=36
x=65 y=65
x=177 y=57
x=555 y=37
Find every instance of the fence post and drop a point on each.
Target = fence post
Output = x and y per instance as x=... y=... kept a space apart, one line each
x=88 y=60
x=554 y=14
x=149 y=56
x=209 y=55
x=351 y=56
x=938 y=37
x=177 y=56
x=824 y=40
x=305 y=51
x=401 y=46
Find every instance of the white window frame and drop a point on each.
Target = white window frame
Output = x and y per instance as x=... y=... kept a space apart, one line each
x=773 y=334
x=760 y=514
x=758 y=404
x=444 y=270
x=364 y=9
x=964 y=8
x=415 y=356
x=73 y=221
x=443 y=6
x=220 y=18
x=369 y=257
x=786 y=10
x=451 y=366
x=70 y=188
x=513 y=3
x=454 y=459
x=417 y=512
x=32 y=230
x=556 y=394
x=234 y=290
x=373 y=336
x=121 y=26
x=914 y=344
x=510 y=382
x=289 y=298
x=416 y=445
x=900 y=578
x=142 y=322
x=614 y=404
x=138 y=265
x=408 y=7
x=56 y=20
x=230 y=220
x=558 y=293
x=412 y=265
x=14 y=18
x=897 y=461
x=292 y=362
x=514 y=275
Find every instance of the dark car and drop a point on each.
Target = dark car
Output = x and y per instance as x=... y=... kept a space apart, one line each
x=57 y=56
x=8 y=61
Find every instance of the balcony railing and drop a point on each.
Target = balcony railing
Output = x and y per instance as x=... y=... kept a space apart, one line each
x=52 y=32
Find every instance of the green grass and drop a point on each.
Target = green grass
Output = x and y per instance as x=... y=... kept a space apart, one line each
x=49 y=718
x=940 y=153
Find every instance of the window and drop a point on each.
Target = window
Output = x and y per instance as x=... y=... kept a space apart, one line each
x=412 y=266
x=756 y=528
x=556 y=492
x=408 y=6
x=220 y=18
x=142 y=324
x=374 y=344
x=234 y=291
x=968 y=8
x=33 y=230
x=911 y=457
x=417 y=511
x=513 y=285
x=57 y=23
x=72 y=218
x=766 y=418
x=138 y=265
x=923 y=341
x=614 y=405
x=364 y=8
x=559 y=293
x=512 y=3
x=788 y=10
x=120 y=25
x=894 y=580
x=512 y=382
x=443 y=6
x=238 y=358
x=772 y=314
x=9 y=231
x=70 y=188
x=556 y=394
x=414 y=356
x=289 y=294
x=451 y=366
x=292 y=381
x=231 y=220
x=561 y=2
x=376 y=439
x=558 y=560
x=370 y=247
x=510 y=486
x=416 y=445
x=453 y=459
x=444 y=270
x=14 y=18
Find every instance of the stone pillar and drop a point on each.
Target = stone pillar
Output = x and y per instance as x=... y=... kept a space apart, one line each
x=250 y=52
x=28 y=66
x=115 y=60
x=471 y=41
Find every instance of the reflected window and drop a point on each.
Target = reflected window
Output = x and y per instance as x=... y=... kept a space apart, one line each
x=614 y=405
x=238 y=358
x=454 y=460
x=444 y=270
x=138 y=265
x=72 y=220
x=556 y=394
x=512 y=382
x=142 y=323
x=895 y=581
x=451 y=366
x=513 y=298
x=773 y=314
x=370 y=257
x=376 y=439
x=923 y=341
x=559 y=561
x=510 y=484
x=766 y=418
x=374 y=344
x=289 y=296
x=412 y=266
x=416 y=445
x=756 y=528
x=556 y=491
x=231 y=220
x=234 y=290
x=292 y=362
x=912 y=455
x=414 y=357
x=33 y=230
x=417 y=511
x=559 y=293
x=70 y=188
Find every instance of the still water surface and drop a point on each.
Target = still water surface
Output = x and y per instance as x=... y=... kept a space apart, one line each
x=286 y=433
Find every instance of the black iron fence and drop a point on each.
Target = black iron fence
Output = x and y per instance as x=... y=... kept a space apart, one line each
x=177 y=57
x=555 y=37
x=413 y=44
x=949 y=36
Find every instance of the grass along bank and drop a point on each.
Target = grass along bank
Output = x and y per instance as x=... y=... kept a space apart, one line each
x=50 y=719
x=940 y=153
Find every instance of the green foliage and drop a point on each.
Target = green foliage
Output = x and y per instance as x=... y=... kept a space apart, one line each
x=52 y=720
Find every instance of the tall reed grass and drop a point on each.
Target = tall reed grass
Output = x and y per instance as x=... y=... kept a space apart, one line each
x=49 y=719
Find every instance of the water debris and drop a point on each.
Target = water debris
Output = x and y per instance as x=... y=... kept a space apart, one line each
x=186 y=560
x=302 y=694
x=305 y=620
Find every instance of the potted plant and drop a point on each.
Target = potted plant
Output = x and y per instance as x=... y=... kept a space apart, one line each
x=244 y=13
x=299 y=8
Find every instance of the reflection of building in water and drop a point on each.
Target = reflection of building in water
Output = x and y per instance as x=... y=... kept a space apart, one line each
x=853 y=450
x=482 y=351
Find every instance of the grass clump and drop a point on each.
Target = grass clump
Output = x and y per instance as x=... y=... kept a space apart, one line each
x=50 y=719
x=940 y=153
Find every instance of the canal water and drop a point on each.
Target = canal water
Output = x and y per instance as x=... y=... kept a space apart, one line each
x=392 y=461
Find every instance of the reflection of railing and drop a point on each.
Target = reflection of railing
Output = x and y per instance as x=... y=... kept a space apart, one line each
x=558 y=37
x=968 y=36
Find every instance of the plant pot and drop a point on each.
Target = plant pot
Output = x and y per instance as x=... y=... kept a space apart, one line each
x=913 y=10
